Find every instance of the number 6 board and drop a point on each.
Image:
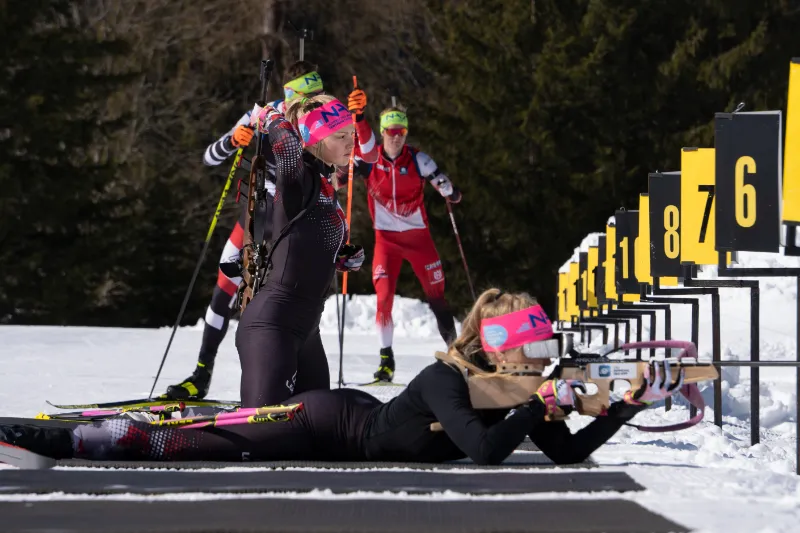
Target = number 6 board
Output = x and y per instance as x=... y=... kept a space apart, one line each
x=748 y=181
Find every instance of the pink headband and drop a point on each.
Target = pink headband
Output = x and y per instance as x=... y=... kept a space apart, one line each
x=323 y=121
x=515 y=329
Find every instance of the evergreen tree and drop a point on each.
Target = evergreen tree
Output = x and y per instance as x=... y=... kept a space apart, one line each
x=58 y=203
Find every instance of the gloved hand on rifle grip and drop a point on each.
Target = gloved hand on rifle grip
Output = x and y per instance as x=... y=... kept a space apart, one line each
x=558 y=395
x=657 y=385
x=242 y=136
x=350 y=258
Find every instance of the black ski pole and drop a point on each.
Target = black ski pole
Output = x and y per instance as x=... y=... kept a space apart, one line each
x=460 y=248
x=339 y=327
x=217 y=211
x=265 y=71
x=341 y=339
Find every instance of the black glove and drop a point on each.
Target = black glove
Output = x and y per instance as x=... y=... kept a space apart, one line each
x=350 y=258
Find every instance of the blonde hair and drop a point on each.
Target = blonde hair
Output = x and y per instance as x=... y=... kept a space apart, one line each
x=493 y=302
x=302 y=106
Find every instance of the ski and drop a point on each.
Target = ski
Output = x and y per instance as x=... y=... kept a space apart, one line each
x=378 y=383
x=147 y=402
x=24 y=459
x=105 y=413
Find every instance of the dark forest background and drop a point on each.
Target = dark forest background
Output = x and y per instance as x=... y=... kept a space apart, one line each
x=548 y=114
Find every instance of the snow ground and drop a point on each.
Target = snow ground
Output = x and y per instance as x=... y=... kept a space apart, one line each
x=704 y=478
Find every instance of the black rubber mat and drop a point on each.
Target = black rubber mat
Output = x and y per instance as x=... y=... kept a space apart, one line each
x=166 y=481
x=525 y=460
x=295 y=515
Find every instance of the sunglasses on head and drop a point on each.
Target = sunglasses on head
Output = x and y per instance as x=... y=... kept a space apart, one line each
x=394 y=132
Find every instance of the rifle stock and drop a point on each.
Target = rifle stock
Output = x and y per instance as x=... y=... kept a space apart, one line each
x=513 y=385
x=253 y=263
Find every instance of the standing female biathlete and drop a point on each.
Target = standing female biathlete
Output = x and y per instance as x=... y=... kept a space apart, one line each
x=395 y=185
x=280 y=349
x=300 y=80
x=351 y=425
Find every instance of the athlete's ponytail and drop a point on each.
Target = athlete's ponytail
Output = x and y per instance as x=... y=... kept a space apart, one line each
x=491 y=303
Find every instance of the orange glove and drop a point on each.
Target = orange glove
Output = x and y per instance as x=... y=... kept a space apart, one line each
x=357 y=101
x=242 y=136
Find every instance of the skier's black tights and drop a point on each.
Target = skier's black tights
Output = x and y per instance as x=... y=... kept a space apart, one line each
x=329 y=428
x=279 y=346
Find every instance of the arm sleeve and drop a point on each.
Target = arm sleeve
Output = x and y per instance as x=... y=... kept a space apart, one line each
x=367 y=148
x=448 y=399
x=223 y=148
x=290 y=175
x=427 y=167
x=565 y=447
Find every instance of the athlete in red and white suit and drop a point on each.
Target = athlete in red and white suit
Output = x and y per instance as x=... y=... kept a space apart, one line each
x=395 y=185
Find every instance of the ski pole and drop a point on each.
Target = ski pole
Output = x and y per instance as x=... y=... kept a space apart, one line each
x=350 y=189
x=338 y=324
x=344 y=276
x=236 y=163
x=231 y=415
x=252 y=419
x=460 y=249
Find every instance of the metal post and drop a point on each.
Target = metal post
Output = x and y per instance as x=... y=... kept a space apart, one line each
x=716 y=357
x=755 y=356
x=753 y=285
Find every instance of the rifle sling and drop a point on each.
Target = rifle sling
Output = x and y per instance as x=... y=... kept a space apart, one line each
x=285 y=231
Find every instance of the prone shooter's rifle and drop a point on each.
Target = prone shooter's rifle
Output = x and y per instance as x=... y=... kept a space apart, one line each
x=512 y=385
x=253 y=252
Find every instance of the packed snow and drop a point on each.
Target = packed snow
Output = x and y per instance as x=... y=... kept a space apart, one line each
x=706 y=478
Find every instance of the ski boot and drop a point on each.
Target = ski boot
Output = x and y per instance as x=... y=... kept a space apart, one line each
x=52 y=442
x=386 y=369
x=195 y=387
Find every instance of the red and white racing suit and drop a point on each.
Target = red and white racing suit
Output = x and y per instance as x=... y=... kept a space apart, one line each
x=395 y=199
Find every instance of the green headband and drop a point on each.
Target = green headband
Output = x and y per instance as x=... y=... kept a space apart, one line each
x=306 y=84
x=392 y=118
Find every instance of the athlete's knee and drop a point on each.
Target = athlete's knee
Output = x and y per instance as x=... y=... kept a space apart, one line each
x=237 y=236
x=385 y=303
x=228 y=285
x=439 y=306
x=435 y=293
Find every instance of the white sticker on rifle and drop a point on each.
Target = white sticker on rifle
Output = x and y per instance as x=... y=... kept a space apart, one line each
x=613 y=371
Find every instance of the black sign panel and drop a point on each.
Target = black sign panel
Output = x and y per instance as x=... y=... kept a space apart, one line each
x=748 y=170
x=600 y=271
x=625 y=257
x=583 y=280
x=665 y=221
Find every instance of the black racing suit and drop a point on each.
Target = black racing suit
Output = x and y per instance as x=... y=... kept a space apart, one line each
x=278 y=340
x=350 y=425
